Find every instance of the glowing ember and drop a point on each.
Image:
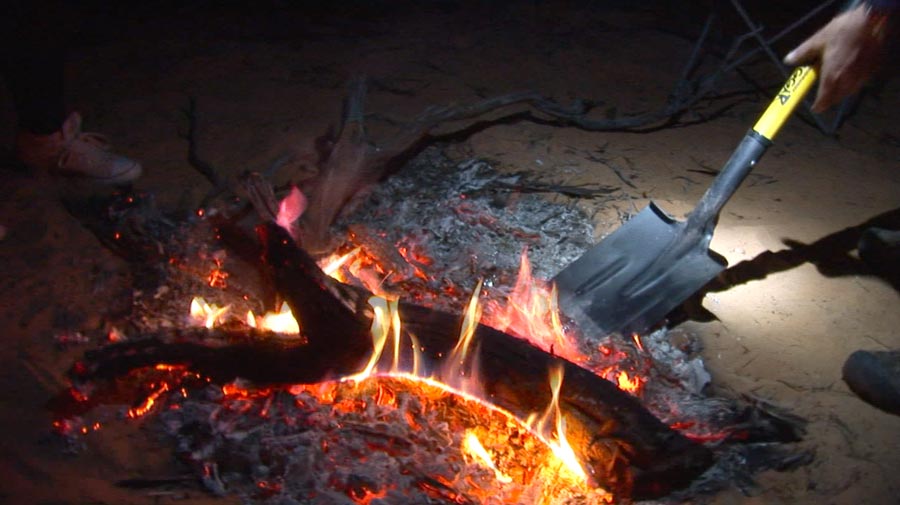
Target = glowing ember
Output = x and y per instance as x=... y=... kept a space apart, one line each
x=205 y=314
x=148 y=402
x=115 y=335
x=218 y=277
x=627 y=383
x=282 y=321
x=365 y=496
x=509 y=462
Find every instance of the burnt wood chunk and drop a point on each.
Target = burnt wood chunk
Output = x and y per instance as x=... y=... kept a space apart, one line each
x=624 y=447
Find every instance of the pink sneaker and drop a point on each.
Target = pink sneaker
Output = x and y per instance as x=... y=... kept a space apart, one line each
x=72 y=152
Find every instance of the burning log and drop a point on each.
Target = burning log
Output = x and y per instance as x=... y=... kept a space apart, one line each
x=629 y=451
x=625 y=449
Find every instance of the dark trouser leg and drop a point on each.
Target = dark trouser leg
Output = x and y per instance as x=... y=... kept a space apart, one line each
x=35 y=81
x=32 y=55
x=879 y=248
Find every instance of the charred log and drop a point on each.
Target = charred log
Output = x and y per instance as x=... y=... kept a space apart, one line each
x=610 y=430
x=614 y=431
x=625 y=448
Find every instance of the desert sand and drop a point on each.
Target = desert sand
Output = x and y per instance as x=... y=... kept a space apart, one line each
x=270 y=78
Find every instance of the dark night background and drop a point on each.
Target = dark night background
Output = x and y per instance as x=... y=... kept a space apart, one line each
x=269 y=78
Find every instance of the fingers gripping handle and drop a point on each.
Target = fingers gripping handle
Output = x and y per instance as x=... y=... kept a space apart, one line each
x=703 y=218
x=788 y=98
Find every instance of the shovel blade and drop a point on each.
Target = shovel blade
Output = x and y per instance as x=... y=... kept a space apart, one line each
x=634 y=277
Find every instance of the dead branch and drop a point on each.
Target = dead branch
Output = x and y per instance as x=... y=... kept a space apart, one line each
x=582 y=191
x=204 y=167
x=346 y=168
x=350 y=162
x=353 y=163
x=261 y=195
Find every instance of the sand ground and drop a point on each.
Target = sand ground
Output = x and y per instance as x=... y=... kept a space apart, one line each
x=269 y=79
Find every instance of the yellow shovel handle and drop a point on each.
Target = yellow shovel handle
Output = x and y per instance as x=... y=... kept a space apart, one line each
x=787 y=99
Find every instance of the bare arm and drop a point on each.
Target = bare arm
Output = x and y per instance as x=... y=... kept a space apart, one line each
x=847 y=51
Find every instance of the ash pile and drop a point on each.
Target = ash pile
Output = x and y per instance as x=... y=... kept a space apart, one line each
x=461 y=222
x=473 y=222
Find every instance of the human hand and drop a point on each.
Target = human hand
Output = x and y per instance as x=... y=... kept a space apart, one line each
x=847 y=50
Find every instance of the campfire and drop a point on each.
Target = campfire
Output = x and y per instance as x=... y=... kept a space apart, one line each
x=419 y=359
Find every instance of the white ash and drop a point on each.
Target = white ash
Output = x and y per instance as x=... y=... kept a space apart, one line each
x=472 y=226
x=468 y=221
x=465 y=218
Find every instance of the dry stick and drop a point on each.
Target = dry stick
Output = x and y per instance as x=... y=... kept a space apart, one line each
x=581 y=191
x=349 y=167
x=352 y=163
x=220 y=185
x=679 y=100
x=339 y=179
x=373 y=162
x=202 y=166
x=261 y=195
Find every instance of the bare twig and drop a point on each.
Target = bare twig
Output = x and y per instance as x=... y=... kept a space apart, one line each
x=582 y=191
x=202 y=166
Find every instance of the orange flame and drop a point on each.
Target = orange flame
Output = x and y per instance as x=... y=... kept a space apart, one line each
x=532 y=312
x=332 y=265
x=282 y=321
x=629 y=384
x=473 y=448
x=211 y=315
x=558 y=441
x=381 y=327
x=206 y=314
x=637 y=341
x=359 y=264
x=454 y=372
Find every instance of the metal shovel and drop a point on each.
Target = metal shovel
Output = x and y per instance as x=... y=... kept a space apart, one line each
x=639 y=273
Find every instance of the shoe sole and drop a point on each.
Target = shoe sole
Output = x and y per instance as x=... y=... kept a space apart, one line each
x=121 y=178
x=874 y=380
